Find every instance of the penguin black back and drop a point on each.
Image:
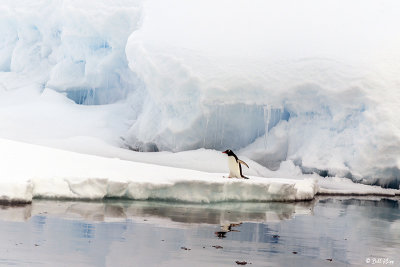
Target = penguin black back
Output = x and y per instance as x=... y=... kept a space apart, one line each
x=230 y=153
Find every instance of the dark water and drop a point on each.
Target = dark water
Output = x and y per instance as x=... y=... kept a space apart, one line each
x=326 y=232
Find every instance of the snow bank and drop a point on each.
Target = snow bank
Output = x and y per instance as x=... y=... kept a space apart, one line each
x=31 y=171
x=184 y=188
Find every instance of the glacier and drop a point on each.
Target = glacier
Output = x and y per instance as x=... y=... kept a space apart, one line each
x=309 y=88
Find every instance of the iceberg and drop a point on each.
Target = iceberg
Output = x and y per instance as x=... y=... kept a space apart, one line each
x=288 y=93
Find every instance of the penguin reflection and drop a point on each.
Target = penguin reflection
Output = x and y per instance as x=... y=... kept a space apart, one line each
x=226 y=228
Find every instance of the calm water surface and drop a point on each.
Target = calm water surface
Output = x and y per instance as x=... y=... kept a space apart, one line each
x=325 y=232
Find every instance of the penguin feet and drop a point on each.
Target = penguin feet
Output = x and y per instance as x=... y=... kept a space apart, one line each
x=230 y=177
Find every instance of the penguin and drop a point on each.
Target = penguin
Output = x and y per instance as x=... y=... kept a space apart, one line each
x=235 y=168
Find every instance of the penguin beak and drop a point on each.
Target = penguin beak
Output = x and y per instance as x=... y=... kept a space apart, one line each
x=225 y=152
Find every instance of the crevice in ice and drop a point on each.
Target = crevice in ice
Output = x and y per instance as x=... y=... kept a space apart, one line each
x=390 y=177
x=386 y=178
x=139 y=146
x=312 y=170
x=82 y=95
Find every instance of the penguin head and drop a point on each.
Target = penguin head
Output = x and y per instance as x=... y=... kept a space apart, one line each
x=229 y=152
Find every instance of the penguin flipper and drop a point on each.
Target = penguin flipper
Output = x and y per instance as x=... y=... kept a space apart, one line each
x=244 y=163
x=244 y=177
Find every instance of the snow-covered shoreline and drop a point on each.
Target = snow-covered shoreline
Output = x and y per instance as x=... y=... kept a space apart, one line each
x=30 y=171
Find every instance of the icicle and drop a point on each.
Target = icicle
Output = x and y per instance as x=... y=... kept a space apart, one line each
x=205 y=132
x=273 y=117
x=94 y=96
x=267 y=111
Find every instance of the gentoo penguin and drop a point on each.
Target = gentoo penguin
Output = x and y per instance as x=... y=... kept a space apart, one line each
x=235 y=168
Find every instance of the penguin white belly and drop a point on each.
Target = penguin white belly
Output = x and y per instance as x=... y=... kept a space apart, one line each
x=234 y=170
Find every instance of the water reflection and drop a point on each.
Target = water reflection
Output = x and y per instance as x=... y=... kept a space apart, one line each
x=15 y=213
x=382 y=208
x=218 y=213
x=329 y=230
